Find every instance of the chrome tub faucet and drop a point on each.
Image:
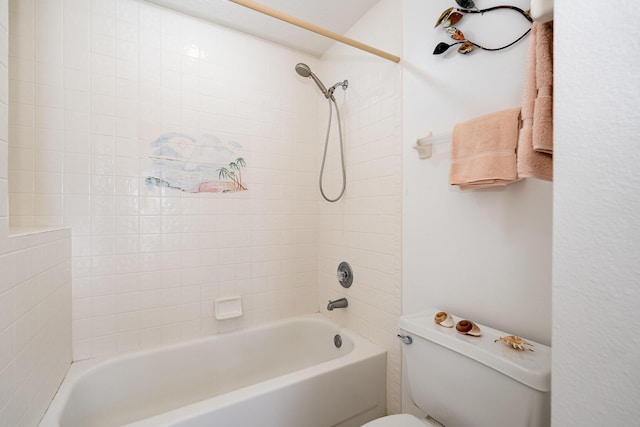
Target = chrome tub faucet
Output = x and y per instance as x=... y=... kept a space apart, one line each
x=339 y=303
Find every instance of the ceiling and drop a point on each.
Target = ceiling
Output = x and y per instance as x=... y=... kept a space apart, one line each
x=335 y=15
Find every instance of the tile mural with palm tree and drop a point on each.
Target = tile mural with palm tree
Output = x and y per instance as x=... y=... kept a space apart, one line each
x=205 y=165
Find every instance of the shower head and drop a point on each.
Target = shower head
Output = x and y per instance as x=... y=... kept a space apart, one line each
x=305 y=71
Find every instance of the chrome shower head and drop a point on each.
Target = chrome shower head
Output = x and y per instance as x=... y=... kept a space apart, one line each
x=305 y=71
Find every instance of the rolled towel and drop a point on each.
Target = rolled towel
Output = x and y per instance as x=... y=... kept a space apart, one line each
x=483 y=151
x=543 y=106
x=531 y=163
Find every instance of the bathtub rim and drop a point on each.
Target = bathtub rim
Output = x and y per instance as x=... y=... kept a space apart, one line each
x=363 y=349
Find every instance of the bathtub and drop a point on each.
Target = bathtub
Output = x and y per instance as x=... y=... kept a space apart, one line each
x=285 y=374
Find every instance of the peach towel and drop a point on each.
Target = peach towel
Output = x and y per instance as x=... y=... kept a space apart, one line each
x=543 y=107
x=532 y=163
x=483 y=151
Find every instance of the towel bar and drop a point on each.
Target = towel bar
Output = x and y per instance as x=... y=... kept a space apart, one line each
x=424 y=145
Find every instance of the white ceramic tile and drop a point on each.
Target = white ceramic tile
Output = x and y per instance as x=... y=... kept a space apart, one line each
x=20 y=47
x=49 y=48
x=128 y=342
x=48 y=161
x=103 y=346
x=7 y=349
x=81 y=349
x=6 y=309
x=50 y=183
x=21 y=92
x=77 y=16
x=127 y=244
x=49 y=205
x=76 y=144
x=81 y=329
x=103 y=124
x=103 y=104
x=26 y=328
x=22 y=115
x=127 y=167
x=25 y=298
x=38 y=263
x=128 y=225
x=104 y=65
x=49 y=140
x=103 y=305
x=103 y=325
x=127 y=263
x=49 y=118
x=104 y=7
x=104 y=208
x=104 y=185
x=21 y=181
x=77 y=79
x=76 y=184
x=103 y=45
x=49 y=96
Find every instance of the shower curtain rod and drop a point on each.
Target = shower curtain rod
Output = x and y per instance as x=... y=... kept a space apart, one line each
x=314 y=28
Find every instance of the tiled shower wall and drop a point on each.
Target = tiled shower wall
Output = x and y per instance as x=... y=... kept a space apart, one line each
x=94 y=83
x=35 y=323
x=363 y=228
x=35 y=294
x=4 y=112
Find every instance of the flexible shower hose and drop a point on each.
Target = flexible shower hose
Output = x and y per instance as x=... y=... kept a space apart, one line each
x=324 y=156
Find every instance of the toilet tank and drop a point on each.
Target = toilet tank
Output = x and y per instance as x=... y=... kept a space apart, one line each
x=465 y=381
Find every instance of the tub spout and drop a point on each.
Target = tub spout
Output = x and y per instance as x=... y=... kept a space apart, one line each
x=339 y=303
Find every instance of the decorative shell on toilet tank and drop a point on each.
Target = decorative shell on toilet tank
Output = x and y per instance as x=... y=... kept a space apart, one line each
x=501 y=386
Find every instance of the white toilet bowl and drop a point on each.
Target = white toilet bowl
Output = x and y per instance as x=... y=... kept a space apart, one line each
x=400 y=420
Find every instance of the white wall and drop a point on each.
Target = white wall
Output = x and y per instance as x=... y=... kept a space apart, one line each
x=363 y=228
x=484 y=255
x=36 y=117
x=4 y=117
x=35 y=323
x=596 y=374
x=106 y=78
x=35 y=294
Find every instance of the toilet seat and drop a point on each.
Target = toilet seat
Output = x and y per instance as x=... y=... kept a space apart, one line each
x=399 y=420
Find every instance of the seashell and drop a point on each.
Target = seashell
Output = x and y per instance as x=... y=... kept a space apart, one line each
x=515 y=342
x=452 y=19
x=467 y=327
x=466 y=47
x=455 y=33
x=443 y=16
x=444 y=319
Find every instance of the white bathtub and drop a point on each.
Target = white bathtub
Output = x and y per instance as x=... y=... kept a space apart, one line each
x=285 y=374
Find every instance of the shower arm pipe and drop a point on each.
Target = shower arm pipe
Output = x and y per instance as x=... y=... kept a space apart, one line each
x=315 y=28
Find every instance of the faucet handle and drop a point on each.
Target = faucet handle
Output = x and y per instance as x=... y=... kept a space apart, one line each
x=345 y=274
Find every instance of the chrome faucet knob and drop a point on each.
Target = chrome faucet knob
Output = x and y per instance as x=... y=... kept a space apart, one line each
x=345 y=274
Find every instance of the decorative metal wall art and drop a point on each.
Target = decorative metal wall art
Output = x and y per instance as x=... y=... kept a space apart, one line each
x=453 y=15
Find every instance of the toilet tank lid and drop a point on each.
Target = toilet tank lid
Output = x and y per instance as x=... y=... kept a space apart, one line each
x=532 y=368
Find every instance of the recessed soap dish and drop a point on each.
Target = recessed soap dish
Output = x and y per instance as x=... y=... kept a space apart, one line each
x=228 y=308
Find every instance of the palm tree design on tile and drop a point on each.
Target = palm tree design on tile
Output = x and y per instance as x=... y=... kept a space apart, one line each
x=184 y=163
x=233 y=174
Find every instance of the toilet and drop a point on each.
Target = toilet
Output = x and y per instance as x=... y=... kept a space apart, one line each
x=457 y=380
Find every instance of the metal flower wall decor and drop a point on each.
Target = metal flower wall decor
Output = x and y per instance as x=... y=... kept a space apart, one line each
x=453 y=15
